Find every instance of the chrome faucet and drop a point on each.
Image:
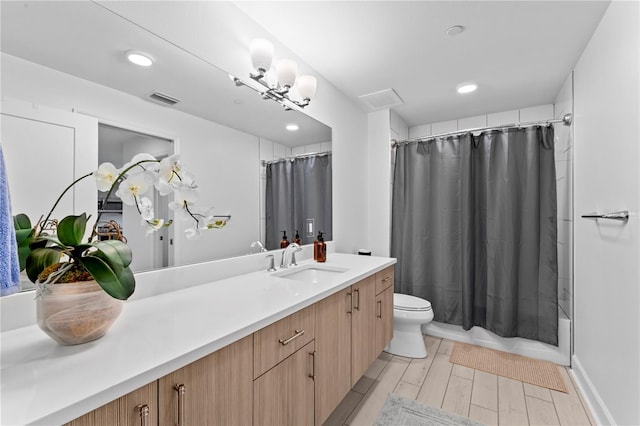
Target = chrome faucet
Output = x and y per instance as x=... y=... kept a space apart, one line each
x=271 y=266
x=258 y=244
x=289 y=255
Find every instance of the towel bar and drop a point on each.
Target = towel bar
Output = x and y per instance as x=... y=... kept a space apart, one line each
x=621 y=215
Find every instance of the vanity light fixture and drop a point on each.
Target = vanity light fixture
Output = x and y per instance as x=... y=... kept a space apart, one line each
x=292 y=127
x=467 y=87
x=139 y=58
x=277 y=83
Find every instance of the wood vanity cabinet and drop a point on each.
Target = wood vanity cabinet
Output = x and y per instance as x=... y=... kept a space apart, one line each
x=295 y=371
x=139 y=407
x=215 y=390
x=384 y=308
x=363 y=327
x=284 y=370
x=333 y=352
x=284 y=395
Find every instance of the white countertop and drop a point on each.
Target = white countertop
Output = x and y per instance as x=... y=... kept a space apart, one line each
x=45 y=383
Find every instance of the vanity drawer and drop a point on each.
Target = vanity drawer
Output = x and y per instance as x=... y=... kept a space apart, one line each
x=384 y=279
x=274 y=343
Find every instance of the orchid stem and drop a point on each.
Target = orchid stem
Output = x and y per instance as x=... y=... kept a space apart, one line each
x=60 y=198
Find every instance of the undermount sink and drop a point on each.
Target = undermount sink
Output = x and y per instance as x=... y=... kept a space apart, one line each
x=311 y=273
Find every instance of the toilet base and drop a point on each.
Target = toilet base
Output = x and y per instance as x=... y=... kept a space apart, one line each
x=408 y=344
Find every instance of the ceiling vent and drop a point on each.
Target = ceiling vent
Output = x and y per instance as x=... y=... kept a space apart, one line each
x=380 y=100
x=163 y=99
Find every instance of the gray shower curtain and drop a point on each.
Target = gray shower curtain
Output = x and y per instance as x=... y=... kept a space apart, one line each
x=474 y=230
x=298 y=190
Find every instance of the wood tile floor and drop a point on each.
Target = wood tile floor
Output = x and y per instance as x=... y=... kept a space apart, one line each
x=484 y=397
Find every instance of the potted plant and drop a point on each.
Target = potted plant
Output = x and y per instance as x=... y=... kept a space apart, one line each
x=81 y=284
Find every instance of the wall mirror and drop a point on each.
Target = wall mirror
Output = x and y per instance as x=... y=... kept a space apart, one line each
x=70 y=56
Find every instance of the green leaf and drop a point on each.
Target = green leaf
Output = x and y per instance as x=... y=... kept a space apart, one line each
x=71 y=229
x=21 y=221
x=118 y=285
x=113 y=249
x=39 y=259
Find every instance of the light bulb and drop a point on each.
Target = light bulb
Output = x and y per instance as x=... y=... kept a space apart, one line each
x=286 y=70
x=307 y=85
x=261 y=52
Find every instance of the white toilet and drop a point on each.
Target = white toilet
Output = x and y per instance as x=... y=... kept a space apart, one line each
x=409 y=313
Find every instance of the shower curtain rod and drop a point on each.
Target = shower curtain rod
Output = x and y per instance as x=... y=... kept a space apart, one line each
x=566 y=120
x=291 y=157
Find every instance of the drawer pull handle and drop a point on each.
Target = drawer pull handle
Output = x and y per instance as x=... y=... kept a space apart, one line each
x=379 y=308
x=181 y=391
x=350 y=304
x=144 y=414
x=357 y=292
x=386 y=279
x=295 y=336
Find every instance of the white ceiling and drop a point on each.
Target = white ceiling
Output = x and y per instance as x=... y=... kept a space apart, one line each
x=519 y=52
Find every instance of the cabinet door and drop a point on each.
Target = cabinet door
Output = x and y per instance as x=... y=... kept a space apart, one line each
x=363 y=327
x=284 y=395
x=333 y=352
x=384 y=319
x=215 y=390
x=139 y=407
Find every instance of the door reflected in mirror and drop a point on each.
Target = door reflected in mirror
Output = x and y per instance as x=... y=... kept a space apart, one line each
x=117 y=146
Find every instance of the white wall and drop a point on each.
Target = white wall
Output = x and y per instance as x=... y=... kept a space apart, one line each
x=222 y=159
x=607 y=253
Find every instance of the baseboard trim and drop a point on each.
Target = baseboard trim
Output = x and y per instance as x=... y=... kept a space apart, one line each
x=590 y=395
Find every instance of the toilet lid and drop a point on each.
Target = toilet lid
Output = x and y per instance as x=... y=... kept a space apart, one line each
x=405 y=302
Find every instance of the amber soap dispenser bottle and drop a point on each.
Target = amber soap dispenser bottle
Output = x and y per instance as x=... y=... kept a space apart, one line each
x=284 y=242
x=319 y=249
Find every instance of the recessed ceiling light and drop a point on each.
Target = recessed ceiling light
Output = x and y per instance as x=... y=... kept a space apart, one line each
x=292 y=127
x=466 y=87
x=455 y=30
x=139 y=58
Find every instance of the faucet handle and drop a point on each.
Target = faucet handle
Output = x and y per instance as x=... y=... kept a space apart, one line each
x=293 y=258
x=272 y=267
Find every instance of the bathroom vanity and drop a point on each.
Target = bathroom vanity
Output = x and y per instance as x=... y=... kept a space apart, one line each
x=259 y=348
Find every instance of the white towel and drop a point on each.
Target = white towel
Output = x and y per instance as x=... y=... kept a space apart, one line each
x=9 y=264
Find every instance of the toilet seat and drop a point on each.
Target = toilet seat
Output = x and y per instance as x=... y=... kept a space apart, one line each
x=405 y=302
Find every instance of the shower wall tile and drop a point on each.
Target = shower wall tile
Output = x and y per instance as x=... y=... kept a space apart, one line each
x=279 y=151
x=541 y=112
x=564 y=296
x=266 y=150
x=472 y=122
x=563 y=189
x=421 y=131
x=326 y=146
x=444 y=127
x=505 y=117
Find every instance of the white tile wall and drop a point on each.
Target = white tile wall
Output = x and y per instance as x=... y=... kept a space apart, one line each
x=444 y=127
x=472 y=122
x=505 y=117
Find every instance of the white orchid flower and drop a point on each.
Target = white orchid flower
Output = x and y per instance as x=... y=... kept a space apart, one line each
x=146 y=209
x=150 y=164
x=106 y=176
x=169 y=169
x=132 y=188
x=192 y=233
x=153 y=226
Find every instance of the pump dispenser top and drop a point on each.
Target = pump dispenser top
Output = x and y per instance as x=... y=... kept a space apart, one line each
x=285 y=241
x=296 y=238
